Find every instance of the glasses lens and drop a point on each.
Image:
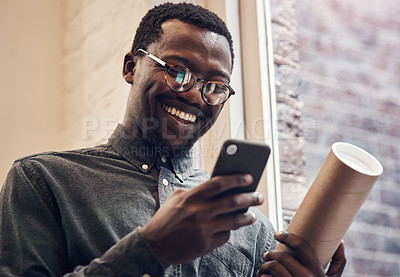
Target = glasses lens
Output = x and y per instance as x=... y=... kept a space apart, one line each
x=179 y=78
x=215 y=93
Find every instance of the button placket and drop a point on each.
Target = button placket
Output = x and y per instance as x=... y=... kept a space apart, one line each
x=165 y=187
x=165 y=182
x=145 y=167
x=180 y=177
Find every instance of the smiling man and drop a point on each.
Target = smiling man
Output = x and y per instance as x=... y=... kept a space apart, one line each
x=177 y=119
x=135 y=206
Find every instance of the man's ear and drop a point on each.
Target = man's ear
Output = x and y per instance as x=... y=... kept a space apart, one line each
x=128 y=68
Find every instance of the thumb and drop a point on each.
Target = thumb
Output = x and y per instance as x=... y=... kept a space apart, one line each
x=338 y=262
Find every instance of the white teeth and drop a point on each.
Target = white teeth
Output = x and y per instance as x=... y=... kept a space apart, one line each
x=181 y=114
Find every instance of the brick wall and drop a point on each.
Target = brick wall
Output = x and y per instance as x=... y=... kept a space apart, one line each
x=289 y=105
x=350 y=63
x=348 y=57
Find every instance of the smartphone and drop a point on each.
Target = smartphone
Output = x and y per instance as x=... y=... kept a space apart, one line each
x=239 y=156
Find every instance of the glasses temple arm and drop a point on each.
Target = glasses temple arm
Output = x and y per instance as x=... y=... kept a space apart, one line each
x=151 y=56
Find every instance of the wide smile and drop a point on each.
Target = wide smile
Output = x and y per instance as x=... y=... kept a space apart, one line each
x=179 y=113
x=179 y=122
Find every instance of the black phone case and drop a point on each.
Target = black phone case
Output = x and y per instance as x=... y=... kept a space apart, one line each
x=249 y=157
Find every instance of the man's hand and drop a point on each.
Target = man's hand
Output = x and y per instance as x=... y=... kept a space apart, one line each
x=193 y=222
x=304 y=262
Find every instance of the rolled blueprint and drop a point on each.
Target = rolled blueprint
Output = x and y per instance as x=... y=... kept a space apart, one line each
x=334 y=198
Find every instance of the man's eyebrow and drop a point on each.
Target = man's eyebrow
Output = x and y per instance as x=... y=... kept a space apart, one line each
x=190 y=65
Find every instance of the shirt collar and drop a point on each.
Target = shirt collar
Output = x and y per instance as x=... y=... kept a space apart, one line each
x=143 y=155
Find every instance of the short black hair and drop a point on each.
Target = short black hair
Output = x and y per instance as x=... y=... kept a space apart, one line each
x=150 y=30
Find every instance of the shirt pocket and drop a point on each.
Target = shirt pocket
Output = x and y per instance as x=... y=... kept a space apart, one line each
x=225 y=261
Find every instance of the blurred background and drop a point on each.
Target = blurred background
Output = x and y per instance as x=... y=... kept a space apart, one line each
x=337 y=68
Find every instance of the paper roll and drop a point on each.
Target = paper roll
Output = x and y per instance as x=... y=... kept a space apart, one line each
x=334 y=198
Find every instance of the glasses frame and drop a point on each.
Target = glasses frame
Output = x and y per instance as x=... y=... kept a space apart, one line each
x=204 y=82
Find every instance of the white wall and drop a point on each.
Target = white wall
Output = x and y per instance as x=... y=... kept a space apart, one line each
x=97 y=35
x=31 y=100
x=60 y=72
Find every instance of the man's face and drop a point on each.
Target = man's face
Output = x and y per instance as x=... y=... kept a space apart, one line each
x=151 y=101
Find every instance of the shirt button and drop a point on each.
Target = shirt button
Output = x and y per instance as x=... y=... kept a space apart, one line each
x=145 y=166
x=163 y=159
x=165 y=182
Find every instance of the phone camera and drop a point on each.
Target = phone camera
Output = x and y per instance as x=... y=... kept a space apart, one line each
x=231 y=149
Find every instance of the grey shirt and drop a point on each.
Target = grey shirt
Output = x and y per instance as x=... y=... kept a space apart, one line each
x=82 y=211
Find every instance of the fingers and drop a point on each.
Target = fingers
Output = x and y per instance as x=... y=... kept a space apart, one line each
x=307 y=257
x=219 y=184
x=338 y=262
x=235 y=202
x=273 y=268
x=219 y=220
x=233 y=221
x=218 y=204
x=280 y=263
x=301 y=249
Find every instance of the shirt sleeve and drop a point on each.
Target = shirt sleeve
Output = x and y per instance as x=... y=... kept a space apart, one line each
x=130 y=257
x=32 y=242
x=266 y=241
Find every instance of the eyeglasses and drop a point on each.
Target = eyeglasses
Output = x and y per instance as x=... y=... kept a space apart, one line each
x=181 y=79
